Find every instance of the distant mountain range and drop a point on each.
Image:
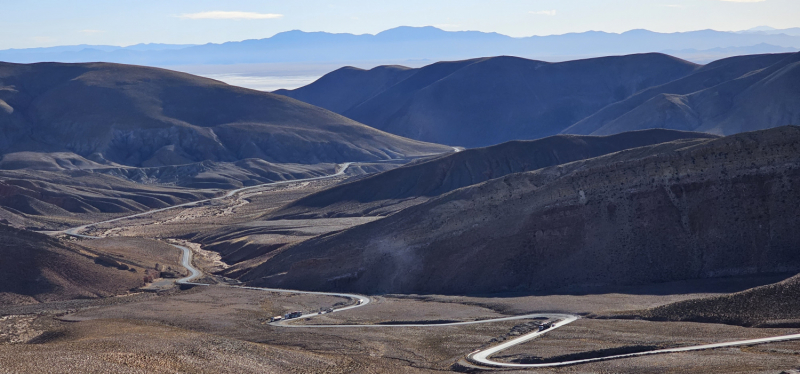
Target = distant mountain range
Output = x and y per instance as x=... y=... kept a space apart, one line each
x=410 y=43
x=766 y=30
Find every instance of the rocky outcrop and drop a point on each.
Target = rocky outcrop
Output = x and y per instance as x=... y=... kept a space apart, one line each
x=412 y=184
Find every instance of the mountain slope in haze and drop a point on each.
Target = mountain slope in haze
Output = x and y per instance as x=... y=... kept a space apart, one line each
x=491 y=100
x=38 y=268
x=685 y=209
x=401 y=44
x=412 y=184
x=347 y=87
x=726 y=97
x=139 y=116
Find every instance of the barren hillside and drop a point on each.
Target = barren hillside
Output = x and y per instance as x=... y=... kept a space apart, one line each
x=686 y=209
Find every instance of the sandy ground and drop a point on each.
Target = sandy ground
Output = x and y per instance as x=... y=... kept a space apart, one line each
x=200 y=329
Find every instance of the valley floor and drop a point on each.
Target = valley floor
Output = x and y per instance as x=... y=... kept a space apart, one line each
x=220 y=329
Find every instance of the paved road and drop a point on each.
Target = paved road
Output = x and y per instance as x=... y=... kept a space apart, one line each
x=479 y=357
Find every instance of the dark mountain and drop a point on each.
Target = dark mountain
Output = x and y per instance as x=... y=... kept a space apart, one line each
x=401 y=44
x=412 y=184
x=725 y=97
x=140 y=116
x=38 y=268
x=491 y=100
x=697 y=208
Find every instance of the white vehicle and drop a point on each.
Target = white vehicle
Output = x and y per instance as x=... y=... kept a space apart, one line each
x=276 y=318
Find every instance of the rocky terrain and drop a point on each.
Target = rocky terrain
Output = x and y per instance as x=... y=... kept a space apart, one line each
x=656 y=238
x=387 y=192
x=36 y=268
x=774 y=305
x=697 y=208
x=146 y=117
x=45 y=199
x=198 y=175
x=487 y=101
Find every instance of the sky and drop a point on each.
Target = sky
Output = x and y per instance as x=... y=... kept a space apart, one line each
x=44 y=23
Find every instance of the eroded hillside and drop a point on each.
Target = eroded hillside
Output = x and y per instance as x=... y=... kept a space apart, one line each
x=679 y=210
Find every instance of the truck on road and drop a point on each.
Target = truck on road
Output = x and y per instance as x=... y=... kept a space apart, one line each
x=291 y=315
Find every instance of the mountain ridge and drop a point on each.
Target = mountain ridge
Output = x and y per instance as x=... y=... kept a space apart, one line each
x=142 y=116
x=485 y=101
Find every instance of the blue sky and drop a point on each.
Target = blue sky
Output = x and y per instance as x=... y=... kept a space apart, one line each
x=40 y=23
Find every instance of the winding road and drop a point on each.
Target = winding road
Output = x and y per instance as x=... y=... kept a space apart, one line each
x=75 y=231
x=481 y=357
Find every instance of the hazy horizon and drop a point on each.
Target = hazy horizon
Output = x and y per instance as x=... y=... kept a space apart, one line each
x=756 y=30
x=44 y=23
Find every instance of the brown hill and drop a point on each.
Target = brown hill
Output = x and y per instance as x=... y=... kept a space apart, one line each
x=738 y=94
x=487 y=101
x=412 y=184
x=685 y=209
x=38 y=268
x=27 y=194
x=774 y=305
x=141 y=116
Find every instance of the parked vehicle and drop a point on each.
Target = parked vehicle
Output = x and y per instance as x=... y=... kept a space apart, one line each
x=276 y=318
x=545 y=326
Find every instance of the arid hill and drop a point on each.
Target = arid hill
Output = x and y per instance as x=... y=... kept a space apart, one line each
x=38 y=268
x=487 y=101
x=774 y=305
x=148 y=117
x=205 y=174
x=686 y=209
x=412 y=184
x=729 y=96
x=31 y=198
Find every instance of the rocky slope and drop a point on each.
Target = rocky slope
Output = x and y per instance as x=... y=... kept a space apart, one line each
x=29 y=198
x=487 y=101
x=146 y=117
x=37 y=268
x=412 y=184
x=685 y=209
x=774 y=305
